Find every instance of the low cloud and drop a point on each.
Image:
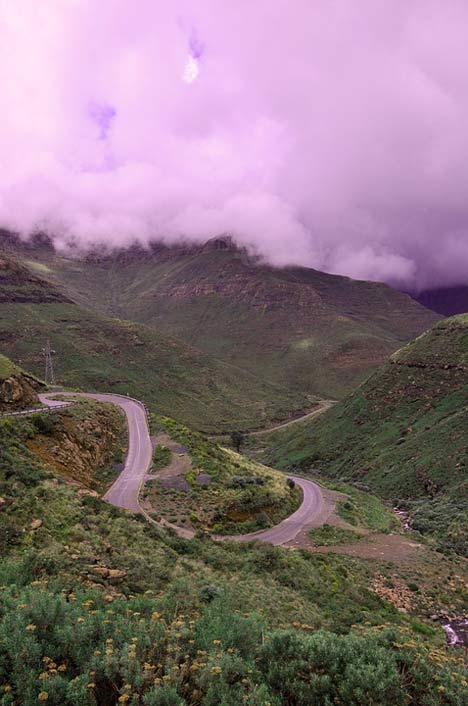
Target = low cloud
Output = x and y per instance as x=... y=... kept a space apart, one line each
x=330 y=133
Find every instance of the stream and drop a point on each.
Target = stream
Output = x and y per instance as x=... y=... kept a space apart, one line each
x=457 y=632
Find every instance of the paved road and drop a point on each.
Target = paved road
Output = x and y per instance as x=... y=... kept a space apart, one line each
x=311 y=506
x=125 y=491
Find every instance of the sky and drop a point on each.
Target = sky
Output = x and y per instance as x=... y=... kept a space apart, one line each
x=325 y=133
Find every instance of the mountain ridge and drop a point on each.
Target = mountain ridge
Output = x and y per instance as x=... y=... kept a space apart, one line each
x=312 y=332
x=97 y=352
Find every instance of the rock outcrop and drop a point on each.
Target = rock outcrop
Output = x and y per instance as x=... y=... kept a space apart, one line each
x=82 y=447
x=18 y=390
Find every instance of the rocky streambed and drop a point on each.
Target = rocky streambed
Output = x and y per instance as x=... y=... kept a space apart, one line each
x=457 y=632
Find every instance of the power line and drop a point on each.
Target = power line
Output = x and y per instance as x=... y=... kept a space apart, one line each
x=49 y=375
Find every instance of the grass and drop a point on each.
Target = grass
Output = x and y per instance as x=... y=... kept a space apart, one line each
x=95 y=352
x=102 y=606
x=329 y=535
x=6 y=367
x=225 y=493
x=161 y=457
x=402 y=434
x=308 y=331
x=365 y=510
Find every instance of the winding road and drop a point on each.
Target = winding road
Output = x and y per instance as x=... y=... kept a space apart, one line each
x=321 y=407
x=125 y=491
x=312 y=506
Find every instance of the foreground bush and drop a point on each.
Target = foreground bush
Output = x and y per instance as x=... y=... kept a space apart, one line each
x=83 y=649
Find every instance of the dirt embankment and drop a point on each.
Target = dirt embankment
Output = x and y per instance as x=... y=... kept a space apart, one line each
x=85 y=448
x=17 y=392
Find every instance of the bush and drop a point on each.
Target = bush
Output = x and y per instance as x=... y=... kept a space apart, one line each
x=163 y=696
x=374 y=669
x=161 y=457
x=45 y=423
x=209 y=593
x=261 y=520
x=244 y=481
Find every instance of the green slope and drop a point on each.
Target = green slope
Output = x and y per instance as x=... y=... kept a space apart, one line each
x=403 y=432
x=7 y=368
x=316 y=333
x=100 y=608
x=95 y=352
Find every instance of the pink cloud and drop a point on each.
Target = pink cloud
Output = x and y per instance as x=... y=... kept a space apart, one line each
x=329 y=133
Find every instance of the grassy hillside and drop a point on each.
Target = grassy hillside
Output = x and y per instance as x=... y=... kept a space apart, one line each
x=403 y=432
x=98 y=607
x=7 y=368
x=220 y=490
x=316 y=333
x=94 y=352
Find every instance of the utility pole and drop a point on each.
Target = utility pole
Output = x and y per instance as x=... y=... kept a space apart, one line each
x=49 y=375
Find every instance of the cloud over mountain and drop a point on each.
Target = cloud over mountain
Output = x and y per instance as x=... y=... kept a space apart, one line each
x=329 y=133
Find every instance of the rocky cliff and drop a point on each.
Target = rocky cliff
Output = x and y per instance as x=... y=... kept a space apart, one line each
x=18 y=390
x=82 y=443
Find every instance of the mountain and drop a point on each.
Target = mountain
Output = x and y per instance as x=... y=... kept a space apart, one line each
x=96 y=352
x=101 y=608
x=445 y=300
x=402 y=433
x=315 y=333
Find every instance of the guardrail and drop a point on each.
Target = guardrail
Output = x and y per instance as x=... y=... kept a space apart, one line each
x=58 y=407
x=127 y=397
x=38 y=410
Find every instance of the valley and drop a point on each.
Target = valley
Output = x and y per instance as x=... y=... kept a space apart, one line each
x=402 y=434
x=122 y=519
x=233 y=353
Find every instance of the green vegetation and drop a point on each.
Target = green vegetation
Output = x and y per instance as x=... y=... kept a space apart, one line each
x=161 y=457
x=81 y=443
x=362 y=509
x=308 y=331
x=99 y=607
x=444 y=519
x=95 y=352
x=402 y=433
x=329 y=535
x=6 y=367
x=209 y=660
x=223 y=492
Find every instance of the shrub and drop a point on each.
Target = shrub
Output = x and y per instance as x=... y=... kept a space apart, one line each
x=261 y=520
x=45 y=423
x=209 y=593
x=161 y=457
x=244 y=481
x=374 y=669
x=163 y=696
